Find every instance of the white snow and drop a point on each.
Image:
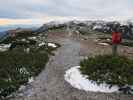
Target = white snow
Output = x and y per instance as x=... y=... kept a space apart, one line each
x=4 y=47
x=104 y=44
x=31 y=80
x=22 y=87
x=97 y=27
x=23 y=70
x=33 y=38
x=79 y=81
x=23 y=40
x=96 y=40
x=49 y=44
x=52 y=45
x=108 y=39
x=41 y=44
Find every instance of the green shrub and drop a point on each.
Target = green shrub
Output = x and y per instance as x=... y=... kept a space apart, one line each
x=130 y=44
x=8 y=40
x=113 y=70
x=17 y=67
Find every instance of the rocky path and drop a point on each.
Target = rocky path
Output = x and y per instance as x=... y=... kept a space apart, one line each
x=50 y=84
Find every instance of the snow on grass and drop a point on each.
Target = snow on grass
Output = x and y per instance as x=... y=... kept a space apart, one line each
x=108 y=39
x=4 y=47
x=23 y=70
x=52 y=45
x=79 y=81
x=96 y=40
x=21 y=88
x=23 y=40
x=104 y=44
x=33 y=38
x=41 y=44
x=49 y=44
x=31 y=80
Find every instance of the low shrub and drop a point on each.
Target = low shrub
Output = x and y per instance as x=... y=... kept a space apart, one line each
x=7 y=40
x=17 y=67
x=113 y=70
x=23 y=60
x=130 y=44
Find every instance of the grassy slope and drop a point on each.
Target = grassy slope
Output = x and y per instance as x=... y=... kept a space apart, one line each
x=17 y=66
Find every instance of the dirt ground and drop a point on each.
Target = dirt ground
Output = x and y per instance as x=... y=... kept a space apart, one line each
x=50 y=84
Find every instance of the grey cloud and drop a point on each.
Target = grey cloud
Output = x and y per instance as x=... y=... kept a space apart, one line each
x=78 y=8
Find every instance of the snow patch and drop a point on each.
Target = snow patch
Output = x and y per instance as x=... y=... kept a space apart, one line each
x=41 y=44
x=22 y=87
x=97 y=27
x=108 y=39
x=104 y=44
x=52 y=45
x=23 y=70
x=49 y=44
x=23 y=40
x=79 y=81
x=32 y=38
x=31 y=80
x=96 y=40
x=4 y=47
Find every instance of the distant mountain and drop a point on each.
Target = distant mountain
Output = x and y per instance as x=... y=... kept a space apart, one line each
x=4 y=29
x=9 y=27
x=125 y=27
x=107 y=27
x=51 y=25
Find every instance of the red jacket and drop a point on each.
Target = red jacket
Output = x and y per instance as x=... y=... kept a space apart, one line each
x=116 y=37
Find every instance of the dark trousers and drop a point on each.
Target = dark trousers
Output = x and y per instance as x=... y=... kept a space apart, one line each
x=114 y=49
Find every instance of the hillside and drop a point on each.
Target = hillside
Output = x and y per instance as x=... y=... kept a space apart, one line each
x=73 y=41
x=23 y=55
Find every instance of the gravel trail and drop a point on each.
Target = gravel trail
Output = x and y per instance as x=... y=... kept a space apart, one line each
x=50 y=84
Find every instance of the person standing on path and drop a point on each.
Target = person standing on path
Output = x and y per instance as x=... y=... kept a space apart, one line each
x=116 y=39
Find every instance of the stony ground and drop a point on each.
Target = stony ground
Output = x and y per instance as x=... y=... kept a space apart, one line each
x=50 y=84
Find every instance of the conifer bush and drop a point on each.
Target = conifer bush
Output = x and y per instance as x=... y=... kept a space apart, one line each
x=17 y=67
x=113 y=70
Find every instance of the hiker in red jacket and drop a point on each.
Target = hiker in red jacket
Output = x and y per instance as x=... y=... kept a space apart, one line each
x=116 y=39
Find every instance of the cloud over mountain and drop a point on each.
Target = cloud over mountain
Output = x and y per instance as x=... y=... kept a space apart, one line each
x=78 y=8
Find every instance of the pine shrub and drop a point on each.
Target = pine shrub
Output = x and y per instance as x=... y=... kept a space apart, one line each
x=17 y=67
x=113 y=70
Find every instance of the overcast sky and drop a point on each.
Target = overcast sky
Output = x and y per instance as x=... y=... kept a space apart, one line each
x=22 y=10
